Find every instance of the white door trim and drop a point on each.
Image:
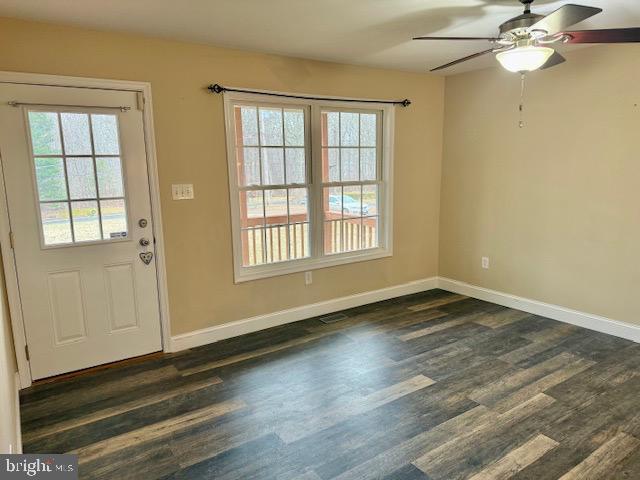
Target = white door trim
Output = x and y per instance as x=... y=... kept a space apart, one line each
x=10 y=272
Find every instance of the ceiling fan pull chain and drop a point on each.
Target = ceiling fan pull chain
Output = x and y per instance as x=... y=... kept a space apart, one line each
x=521 y=107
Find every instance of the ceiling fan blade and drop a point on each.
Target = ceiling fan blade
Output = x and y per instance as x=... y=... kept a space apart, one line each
x=460 y=60
x=555 y=59
x=610 y=35
x=491 y=39
x=564 y=17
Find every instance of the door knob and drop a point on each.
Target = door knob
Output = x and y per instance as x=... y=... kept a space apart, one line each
x=144 y=242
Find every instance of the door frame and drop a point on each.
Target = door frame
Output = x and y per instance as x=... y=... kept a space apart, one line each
x=143 y=89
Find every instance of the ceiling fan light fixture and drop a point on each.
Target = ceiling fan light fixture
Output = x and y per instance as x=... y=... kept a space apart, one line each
x=524 y=59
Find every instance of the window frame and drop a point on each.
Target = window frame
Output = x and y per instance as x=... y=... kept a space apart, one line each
x=378 y=181
x=317 y=259
x=59 y=110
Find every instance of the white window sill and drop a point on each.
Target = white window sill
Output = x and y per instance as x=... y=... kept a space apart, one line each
x=246 y=274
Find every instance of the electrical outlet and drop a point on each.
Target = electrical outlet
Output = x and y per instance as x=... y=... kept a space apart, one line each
x=308 y=278
x=182 y=191
x=485 y=263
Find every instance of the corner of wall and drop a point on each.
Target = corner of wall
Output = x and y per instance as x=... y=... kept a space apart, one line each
x=445 y=81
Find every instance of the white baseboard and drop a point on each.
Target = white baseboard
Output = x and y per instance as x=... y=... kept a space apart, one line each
x=555 y=312
x=260 y=322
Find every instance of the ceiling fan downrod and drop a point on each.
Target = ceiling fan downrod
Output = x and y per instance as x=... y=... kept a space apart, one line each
x=527 y=5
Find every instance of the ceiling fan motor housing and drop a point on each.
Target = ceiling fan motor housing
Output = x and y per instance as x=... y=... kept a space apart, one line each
x=517 y=27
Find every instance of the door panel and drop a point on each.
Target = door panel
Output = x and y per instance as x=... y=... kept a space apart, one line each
x=67 y=306
x=121 y=296
x=76 y=179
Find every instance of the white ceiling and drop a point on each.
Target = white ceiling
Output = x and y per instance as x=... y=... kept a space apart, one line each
x=366 y=32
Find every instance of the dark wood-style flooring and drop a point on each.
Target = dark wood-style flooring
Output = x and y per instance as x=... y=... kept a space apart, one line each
x=428 y=386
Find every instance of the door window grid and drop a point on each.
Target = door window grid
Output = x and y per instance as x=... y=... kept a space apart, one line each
x=276 y=229
x=98 y=143
x=350 y=194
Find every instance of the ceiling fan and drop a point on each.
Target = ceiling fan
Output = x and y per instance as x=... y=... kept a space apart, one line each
x=524 y=42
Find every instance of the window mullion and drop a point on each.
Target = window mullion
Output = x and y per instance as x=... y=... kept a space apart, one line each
x=264 y=213
x=352 y=183
x=264 y=226
x=380 y=146
x=287 y=233
x=272 y=187
x=383 y=204
x=340 y=224
x=317 y=198
x=284 y=150
x=360 y=149
x=66 y=179
x=259 y=146
x=95 y=176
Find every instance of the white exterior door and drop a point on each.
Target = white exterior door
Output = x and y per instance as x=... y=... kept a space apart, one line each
x=75 y=172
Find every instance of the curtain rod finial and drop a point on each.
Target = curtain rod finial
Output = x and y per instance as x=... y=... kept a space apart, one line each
x=216 y=88
x=406 y=102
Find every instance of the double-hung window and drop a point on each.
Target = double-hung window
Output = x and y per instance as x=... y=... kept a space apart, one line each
x=310 y=183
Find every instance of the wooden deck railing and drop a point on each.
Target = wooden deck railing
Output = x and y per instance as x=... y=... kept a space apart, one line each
x=277 y=242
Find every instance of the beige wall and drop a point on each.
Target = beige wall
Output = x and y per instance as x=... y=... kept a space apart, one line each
x=554 y=205
x=190 y=140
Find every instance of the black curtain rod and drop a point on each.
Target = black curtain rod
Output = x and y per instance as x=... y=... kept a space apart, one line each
x=216 y=88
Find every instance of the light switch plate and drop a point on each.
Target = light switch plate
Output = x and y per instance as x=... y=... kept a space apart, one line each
x=182 y=191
